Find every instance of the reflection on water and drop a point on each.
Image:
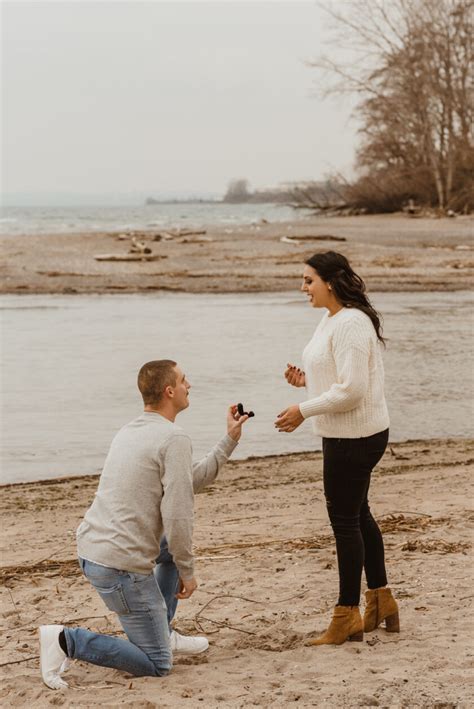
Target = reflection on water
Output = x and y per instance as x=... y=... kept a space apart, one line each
x=70 y=365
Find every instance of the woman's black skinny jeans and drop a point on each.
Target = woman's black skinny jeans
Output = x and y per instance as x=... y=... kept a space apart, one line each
x=348 y=463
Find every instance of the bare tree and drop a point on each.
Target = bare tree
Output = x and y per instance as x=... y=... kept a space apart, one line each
x=412 y=63
x=237 y=191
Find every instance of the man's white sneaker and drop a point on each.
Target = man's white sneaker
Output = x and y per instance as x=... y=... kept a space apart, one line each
x=187 y=643
x=65 y=666
x=52 y=656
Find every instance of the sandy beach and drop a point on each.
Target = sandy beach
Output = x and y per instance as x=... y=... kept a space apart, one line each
x=168 y=170
x=391 y=252
x=267 y=571
x=266 y=557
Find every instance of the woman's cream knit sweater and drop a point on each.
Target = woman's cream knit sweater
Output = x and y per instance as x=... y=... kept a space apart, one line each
x=345 y=377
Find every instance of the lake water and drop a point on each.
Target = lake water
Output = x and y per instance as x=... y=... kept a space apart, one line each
x=58 y=220
x=70 y=365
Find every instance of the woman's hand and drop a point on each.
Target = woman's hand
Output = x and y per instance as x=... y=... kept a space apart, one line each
x=295 y=376
x=289 y=419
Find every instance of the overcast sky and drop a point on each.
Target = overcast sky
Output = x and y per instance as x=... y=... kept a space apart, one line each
x=165 y=97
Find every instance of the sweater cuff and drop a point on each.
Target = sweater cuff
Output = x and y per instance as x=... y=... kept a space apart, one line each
x=186 y=571
x=228 y=445
x=312 y=407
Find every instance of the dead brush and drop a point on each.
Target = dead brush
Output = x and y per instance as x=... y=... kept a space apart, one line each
x=430 y=546
x=397 y=522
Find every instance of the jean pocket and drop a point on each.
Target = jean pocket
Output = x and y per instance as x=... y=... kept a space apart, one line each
x=114 y=599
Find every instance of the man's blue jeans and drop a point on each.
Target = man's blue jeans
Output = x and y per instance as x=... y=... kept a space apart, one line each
x=145 y=605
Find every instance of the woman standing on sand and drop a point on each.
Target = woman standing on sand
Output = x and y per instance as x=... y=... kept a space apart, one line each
x=344 y=379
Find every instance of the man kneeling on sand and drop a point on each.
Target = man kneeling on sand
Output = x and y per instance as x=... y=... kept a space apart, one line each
x=145 y=496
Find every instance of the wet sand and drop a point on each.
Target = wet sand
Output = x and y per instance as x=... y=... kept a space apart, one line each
x=267 y=572
x=391 y=252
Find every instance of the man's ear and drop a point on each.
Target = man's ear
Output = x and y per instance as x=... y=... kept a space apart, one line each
x=170 y=391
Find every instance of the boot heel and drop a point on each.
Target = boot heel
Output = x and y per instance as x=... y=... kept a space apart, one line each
x=392 y=623
x=357 y=637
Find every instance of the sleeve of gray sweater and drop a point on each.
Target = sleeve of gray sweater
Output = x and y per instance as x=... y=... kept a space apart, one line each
x=205 y=470
x=177 y=504
x=180 y=480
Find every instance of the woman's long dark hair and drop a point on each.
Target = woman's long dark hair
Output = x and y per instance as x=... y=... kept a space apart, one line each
x=347 y=286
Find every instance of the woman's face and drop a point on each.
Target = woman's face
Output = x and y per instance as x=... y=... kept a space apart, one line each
x=317 y=290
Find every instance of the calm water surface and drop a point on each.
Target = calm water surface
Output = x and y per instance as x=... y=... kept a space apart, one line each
x=70 y=365
x=58 y=220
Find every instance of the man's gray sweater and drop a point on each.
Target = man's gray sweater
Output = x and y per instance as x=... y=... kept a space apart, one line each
x=146 y=490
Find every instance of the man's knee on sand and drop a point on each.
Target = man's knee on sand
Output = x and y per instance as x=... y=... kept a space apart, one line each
x=162 y=669
x=159 y=670
x=161 y=665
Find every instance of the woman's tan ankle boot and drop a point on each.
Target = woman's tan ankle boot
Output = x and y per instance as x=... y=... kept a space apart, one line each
x=381 y=606
x=346 y=624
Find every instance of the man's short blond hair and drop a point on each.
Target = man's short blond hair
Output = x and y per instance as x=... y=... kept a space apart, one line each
x=154 y=377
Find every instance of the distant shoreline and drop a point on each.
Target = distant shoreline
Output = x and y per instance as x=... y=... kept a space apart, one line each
x=393 y=253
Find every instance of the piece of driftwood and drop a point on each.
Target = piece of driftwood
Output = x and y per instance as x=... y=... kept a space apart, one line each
x=190 y=232
x=193 y=240
x=128 y=257
x=311 y=237
x=139 y=247
x=179 y=233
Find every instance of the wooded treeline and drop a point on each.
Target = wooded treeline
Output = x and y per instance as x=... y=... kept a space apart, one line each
x=294 y=194
x=412 y=64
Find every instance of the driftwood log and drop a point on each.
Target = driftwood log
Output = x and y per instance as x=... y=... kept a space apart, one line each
x=311 y=237
x=128 y=257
